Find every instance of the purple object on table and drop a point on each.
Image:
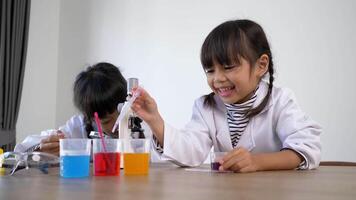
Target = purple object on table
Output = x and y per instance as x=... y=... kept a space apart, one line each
x=215 y=166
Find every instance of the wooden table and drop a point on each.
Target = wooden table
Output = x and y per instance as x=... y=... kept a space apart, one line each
x=166 y=181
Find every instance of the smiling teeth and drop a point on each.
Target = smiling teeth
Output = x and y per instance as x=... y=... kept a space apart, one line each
x=225 y=89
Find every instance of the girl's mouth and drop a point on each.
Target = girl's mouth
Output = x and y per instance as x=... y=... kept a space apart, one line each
x=225 y=91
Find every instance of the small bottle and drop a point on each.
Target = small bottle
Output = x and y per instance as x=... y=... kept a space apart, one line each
x=126 y=123
x=129 y=124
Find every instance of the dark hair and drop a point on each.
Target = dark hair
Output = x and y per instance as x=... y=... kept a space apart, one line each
x=231 y=41
x=99 y=89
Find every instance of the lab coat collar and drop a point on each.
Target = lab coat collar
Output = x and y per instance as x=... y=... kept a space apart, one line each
x=261 y=93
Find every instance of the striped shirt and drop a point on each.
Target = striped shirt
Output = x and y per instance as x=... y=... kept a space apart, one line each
x=237 y=118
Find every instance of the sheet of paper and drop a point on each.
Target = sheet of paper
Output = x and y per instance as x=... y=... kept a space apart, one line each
x=202 y=169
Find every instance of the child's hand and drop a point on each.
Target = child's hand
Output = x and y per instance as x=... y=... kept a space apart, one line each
x=51 y=143
x=239 y=160
x=145 y=107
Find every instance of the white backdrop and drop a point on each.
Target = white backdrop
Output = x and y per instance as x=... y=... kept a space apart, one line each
x=313 y=42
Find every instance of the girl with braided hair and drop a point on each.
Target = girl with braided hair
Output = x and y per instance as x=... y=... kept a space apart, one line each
x=259 y=125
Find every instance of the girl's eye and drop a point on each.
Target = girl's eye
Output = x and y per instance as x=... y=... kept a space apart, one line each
x=209 y=71
x=227 y=67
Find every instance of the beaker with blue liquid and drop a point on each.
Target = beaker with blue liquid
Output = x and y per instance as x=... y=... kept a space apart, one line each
x=74 y=158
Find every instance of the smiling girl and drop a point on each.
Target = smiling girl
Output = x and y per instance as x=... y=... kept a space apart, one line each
x=259 y=125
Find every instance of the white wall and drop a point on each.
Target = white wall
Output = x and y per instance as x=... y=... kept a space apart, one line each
x=159 y=42
x=72 y=54
x=57 y=41
x=38 y=101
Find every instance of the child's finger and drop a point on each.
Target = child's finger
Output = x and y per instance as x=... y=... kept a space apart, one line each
x=139 y=112
x=143 y=93
x=136 y=108
x=49 y=146
x=139 y=89
x=239 y=165
x=228 y=164
x=231 y=154
x=53 y=138
x=53 y=151
x=139 y=101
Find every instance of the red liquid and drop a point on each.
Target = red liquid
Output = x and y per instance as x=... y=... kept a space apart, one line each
x=106 y=164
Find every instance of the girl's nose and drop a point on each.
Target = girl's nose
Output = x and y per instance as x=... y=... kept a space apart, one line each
x=219 y=76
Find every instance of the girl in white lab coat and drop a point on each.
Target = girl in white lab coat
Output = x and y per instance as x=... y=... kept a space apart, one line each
x=259 y=125
x=100 y=88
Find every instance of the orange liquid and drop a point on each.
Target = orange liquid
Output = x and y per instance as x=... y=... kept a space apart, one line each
x=136 y=163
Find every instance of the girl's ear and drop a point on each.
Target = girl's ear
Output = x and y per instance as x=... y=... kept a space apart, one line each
x=262 y=65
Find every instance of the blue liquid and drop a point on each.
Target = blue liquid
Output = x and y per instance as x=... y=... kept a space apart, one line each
x=74 y=166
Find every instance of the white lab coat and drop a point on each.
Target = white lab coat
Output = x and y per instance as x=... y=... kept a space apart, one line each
x=74 y=128
x=281 y=124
